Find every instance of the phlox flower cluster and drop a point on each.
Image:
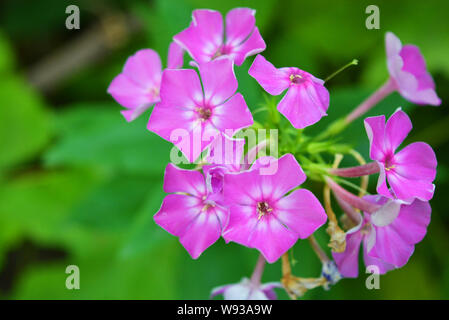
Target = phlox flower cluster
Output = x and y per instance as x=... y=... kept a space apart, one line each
x=233 y=194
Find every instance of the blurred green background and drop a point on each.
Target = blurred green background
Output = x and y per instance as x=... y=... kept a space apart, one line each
x=79 y=185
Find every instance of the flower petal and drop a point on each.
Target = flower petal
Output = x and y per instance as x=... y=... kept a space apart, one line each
x=182 y=180
x=240 y=23
x=204 y=36
x=271 y=238
x=280 y=176
x=175 y=58
x=303 y=105
x=415 y=163
x=177 y=212
x=253 y=45
x=233 y=115
x=274 y=81
x=242 y=221
x=397 y=128
x=144 y=68
x=202 y=232
x=181 y=88
x=369 y=261
x=130 y=95
x=219 y=81
x=300 y=212
x=348 y=260
x=375 y=129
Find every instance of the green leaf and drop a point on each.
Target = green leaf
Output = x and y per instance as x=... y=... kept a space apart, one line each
x=24 y=122
x=98 y=136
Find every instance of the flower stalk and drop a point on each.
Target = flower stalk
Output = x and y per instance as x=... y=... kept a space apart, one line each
x=386 y=89
x=357 y=171
x=350 y=198
x=256 y=277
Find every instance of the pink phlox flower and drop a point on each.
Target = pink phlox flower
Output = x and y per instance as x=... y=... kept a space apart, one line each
x=408 y=72
x=411 y=171
x=188 y=213
x=246 y=290
x=261 y=216
x=191 y=117
x=306 y=100
x=389 y=236
x=137 y=87
x=204 y=39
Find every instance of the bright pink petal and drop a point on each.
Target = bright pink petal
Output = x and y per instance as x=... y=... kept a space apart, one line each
x=182 y=180
x=273 y=80
x=412 y=221
x=397 y=128
x=390 y=247
x=203 y=38
x=242 y=188
x=219 y=81
x=129 y=94
x=375 y=129
x=253 y=45
x=303 y=105
x=177 y=212
x=144 y=68
x=240 y=23
x=233 y=114
x=203 y=231
x=383 y=267
x=181 y=88
x=300 y=212
x=271 y=238
x=285 y=175
x=242 y=221
x=414 y=62
x=175 y=58
x=348 y=261
x=413 y=173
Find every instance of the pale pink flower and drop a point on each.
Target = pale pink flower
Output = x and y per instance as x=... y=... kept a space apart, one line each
x=188 y=213
x=262 y=217
x=247 y=290
x=192 y=113
x=408 y=72
x=204 y=39
x=137 y=87
x=411 y=171
x=306 y=100
x=389 y=235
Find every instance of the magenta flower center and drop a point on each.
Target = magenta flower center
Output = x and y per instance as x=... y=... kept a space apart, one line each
x=263 y=208
x=389 y=162
x=223 y=50
x=204 y=113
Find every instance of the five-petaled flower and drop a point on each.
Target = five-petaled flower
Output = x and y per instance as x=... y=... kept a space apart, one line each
x=191 y=115
x=411 y=171
x=204 y=39
x=389 y=235
x=137 y=87
x=261 y=217
x=188 y=213
x=306 y=100
x=246 y=290
x=408 y=73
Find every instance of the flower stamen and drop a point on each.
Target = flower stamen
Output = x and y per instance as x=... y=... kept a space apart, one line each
x=262 y=209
